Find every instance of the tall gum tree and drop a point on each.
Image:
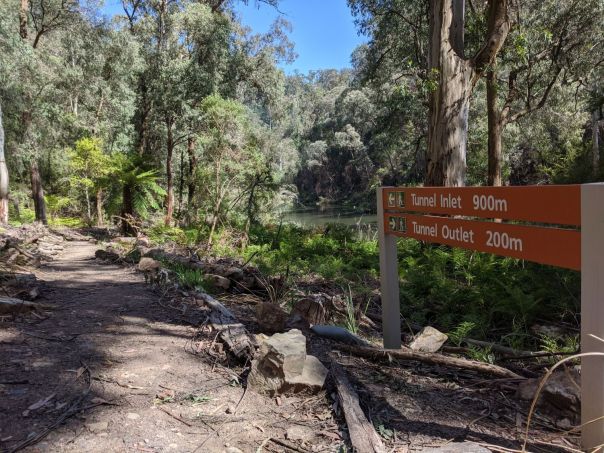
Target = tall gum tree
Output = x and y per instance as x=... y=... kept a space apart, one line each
x=551 y=43
x=454 y=78
x=3 y=177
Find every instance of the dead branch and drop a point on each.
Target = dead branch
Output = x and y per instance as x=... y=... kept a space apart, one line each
x=432 y=358
x=231 y=331
x=363 y=437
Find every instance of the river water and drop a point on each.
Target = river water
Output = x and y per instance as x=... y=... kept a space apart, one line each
x=364 y=224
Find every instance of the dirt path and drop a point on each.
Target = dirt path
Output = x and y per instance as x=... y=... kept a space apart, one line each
x=108 y=320
x=110 y=369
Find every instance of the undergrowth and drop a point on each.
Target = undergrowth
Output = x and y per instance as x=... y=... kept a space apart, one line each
x=457 y=291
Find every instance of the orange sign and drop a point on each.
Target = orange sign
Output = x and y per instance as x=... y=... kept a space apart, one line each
x=554 y=246
x=545 y=204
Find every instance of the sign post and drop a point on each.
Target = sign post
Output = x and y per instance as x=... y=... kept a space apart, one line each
x=592 y=314
x=451 y=216
x=391 y=310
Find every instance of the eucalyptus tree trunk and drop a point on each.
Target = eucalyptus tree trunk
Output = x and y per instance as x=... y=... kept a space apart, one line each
x=450 y=99
x=454 y=78
x=3 y=177
x=99 y=207
x=169 y=174
x=595 y=143
x=496 y=125
x=37 y=193
x=23 y=18
x=192 y=167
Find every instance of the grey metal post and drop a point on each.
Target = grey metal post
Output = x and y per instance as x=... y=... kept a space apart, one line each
x=391 y=311
x=592 y=314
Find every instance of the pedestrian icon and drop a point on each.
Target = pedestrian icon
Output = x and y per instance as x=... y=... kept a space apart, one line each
x=401 y=199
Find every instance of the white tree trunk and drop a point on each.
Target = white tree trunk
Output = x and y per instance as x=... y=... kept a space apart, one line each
x=595 y=145
x=3 y=177
x=449 y=102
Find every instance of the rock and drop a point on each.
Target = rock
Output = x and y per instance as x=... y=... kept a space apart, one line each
x=428 y=340
x=135 y=255
x=143 y=241
x=458 y=447
x=107 y=255
x=133 y=416
x=271 y=317
x=561 y=392
x=97 y=427
x=218 y=281
x=313 y=375
x=33 y=294
x=311 y=309
x=282 y=365
x=148 y=265
x=527 y=388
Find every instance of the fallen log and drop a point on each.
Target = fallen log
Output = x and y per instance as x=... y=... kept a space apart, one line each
x=363 y=437
x=13 y=306
x=231 y=331
x=427 y=357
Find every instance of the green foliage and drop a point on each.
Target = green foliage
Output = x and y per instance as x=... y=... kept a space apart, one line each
x=351 y=319
x=481 y=354
x=455 y=289
x=188 y=278
x=463 y=330
x=88 y=163
x=141 y=184
x=55 y=204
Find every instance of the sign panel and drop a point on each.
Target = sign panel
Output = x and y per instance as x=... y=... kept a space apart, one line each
x=554 y=246
x=399 y=212
x=544 y=204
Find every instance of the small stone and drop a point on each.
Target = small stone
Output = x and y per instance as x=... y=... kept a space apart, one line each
x=428 y=340
x=97 y=427
x=106 y=255
x=271 y=317
x=143 y=241
x=148 y=264
x=561 y=391
x=218 y=281
x=133 y=416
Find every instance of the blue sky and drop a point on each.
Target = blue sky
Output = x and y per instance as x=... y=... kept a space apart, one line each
x=323 y=30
